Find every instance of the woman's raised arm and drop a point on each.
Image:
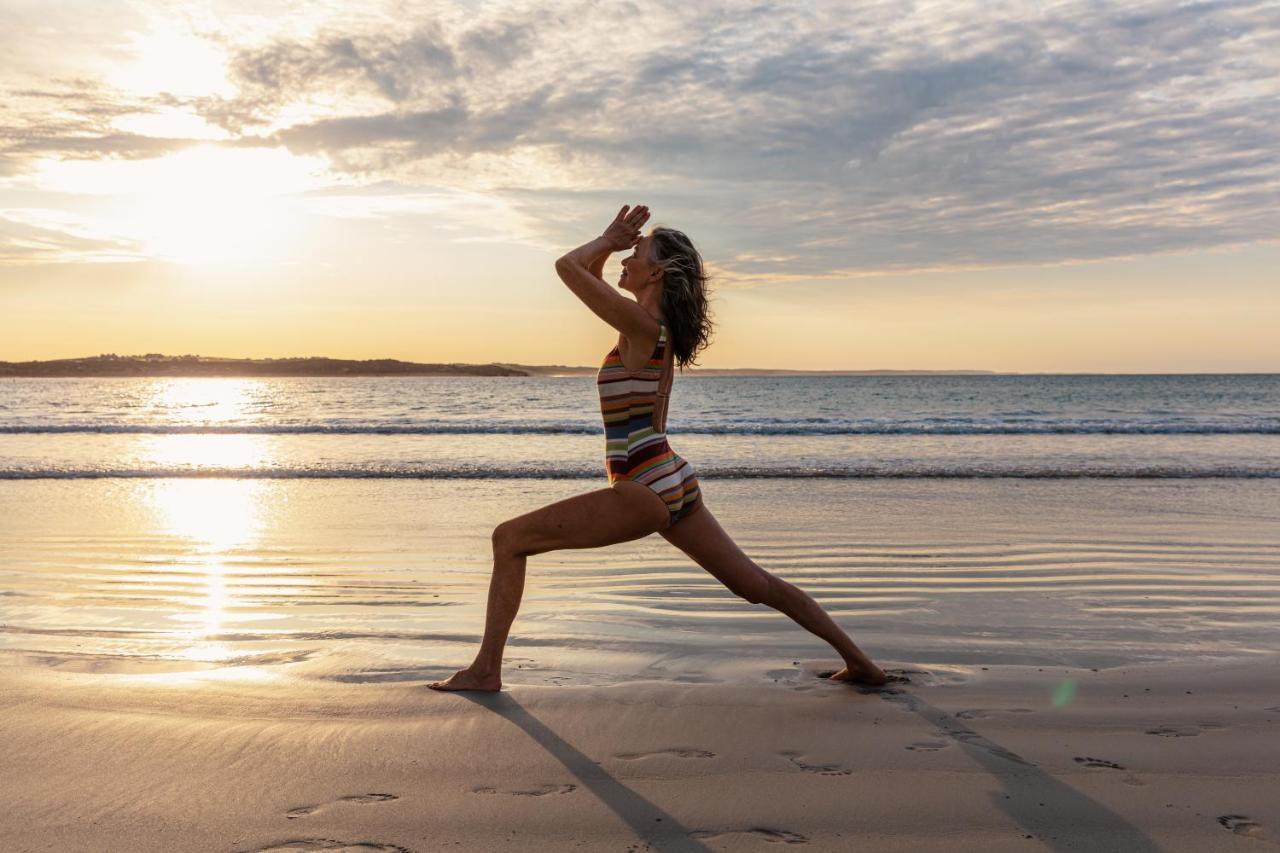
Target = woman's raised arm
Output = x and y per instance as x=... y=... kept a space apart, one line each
x=580 y=270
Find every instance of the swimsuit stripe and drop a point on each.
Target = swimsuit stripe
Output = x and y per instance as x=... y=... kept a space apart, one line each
x=634 y=448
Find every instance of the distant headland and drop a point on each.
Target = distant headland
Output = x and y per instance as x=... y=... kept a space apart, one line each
x=155 y=364
x=187 y=366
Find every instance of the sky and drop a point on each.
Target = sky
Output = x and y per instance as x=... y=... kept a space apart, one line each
x=1030 y=186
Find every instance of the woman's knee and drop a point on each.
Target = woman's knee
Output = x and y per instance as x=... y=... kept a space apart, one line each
x=757 y=588
x=506 y=539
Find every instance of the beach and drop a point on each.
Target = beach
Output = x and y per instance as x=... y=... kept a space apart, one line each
x=240 y=665
x=958 y=319
x=957 y=760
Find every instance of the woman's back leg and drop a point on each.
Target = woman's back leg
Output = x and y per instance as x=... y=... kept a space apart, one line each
x=700 y=536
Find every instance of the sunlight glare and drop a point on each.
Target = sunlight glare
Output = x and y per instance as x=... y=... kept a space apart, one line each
x=216 y=516
x=206 y=205
x=169 y=122
x=205 y=451
x=173 y=59
x=201 y=400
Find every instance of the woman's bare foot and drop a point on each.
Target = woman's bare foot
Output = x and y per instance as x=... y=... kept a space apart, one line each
x=465 y=679
x=875 y=677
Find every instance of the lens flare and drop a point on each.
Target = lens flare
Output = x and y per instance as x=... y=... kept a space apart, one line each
x=1064 y=692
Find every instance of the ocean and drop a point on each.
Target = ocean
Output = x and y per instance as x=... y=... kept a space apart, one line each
x=1172 y=426
x=339 y=528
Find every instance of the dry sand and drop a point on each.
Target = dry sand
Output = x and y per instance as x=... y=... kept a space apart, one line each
x=1159 y=757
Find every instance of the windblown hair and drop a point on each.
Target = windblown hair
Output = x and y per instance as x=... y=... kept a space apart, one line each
x=684 y=293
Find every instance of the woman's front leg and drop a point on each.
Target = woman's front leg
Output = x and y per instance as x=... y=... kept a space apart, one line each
x=506 y=589
x=604 y=517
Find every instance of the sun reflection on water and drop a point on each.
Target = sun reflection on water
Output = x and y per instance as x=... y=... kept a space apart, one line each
x=212 y=399
x=214 y=516
x=204 y=451
x=196 y=403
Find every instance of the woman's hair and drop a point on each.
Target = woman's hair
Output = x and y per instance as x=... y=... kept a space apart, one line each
x=684 y=293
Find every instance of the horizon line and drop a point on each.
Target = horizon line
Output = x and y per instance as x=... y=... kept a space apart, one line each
x=694 y=369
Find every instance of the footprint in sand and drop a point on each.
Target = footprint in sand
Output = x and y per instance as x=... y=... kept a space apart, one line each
x=983 y=713
x=927 y=745
x=311 y=845
x=948 y=727
x=820 y=769
x=677 y=752
x=778 y=836
x=791 y=679
x=303 y=811
x=1128 y=778
x=1184 y=731
x=974 y=739
x=1241 y=825
x=541 y=790
x=1098 y=762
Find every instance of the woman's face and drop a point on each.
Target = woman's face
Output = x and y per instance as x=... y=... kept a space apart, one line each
x=636 y=267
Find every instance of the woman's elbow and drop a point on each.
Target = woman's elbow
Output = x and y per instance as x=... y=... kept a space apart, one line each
x=563 y=269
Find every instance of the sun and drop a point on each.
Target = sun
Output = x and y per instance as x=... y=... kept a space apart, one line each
x=208 y=205
x=212 y=205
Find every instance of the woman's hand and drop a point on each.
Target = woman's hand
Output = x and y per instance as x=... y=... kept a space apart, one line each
x=624 y=231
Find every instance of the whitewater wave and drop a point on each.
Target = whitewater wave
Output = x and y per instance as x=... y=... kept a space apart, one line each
x=813 y=426
x=916 y=471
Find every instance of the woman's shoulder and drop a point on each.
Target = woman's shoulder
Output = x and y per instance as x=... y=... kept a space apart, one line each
x=663 y=334
x=628 y=348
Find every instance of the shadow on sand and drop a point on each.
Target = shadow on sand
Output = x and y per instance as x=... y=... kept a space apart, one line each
x=1054 y=813
x=651 y=824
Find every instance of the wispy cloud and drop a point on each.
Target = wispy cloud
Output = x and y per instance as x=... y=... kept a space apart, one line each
x=32 y=236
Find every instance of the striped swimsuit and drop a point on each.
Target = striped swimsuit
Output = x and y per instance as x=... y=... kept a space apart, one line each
x=634 y=406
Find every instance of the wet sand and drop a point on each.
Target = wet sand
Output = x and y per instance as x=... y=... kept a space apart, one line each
x=1158 y=757
x=241 y=666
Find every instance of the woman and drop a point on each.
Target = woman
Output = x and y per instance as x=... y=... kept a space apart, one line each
x=651 y=488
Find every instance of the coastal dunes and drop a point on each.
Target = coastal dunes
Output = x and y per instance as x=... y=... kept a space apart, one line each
x=1175 y=757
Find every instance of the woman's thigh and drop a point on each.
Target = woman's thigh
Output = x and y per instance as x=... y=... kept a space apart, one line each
x=618 y=513
x=700 y=536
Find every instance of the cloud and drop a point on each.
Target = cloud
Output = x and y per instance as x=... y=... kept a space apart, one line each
x=74 y=119
x=397 y=69
x=847 y=138
x=46 y=236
